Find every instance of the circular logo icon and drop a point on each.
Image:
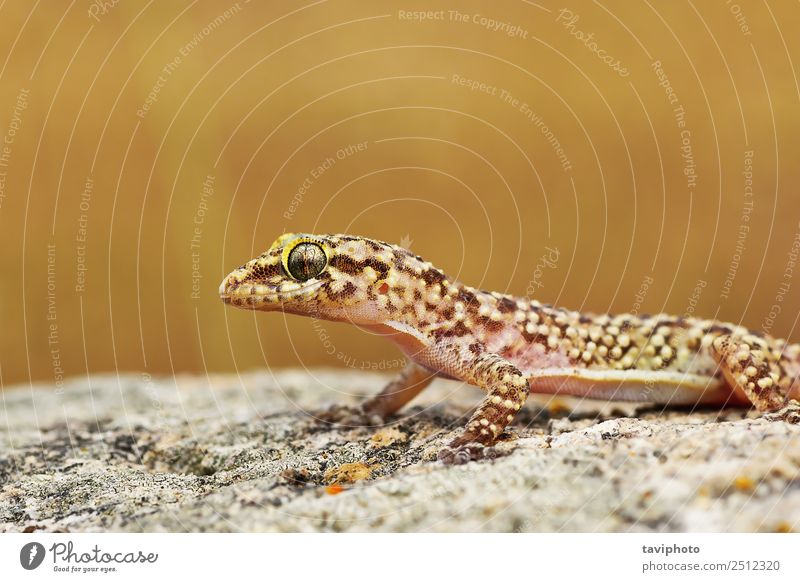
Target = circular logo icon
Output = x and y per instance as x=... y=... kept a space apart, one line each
x=31 y=555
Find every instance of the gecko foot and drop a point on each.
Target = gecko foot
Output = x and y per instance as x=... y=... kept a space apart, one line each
x=458 y=455
x=789 y=413
x=350 y=416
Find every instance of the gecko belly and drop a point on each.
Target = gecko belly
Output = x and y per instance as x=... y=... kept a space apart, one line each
x=635 y=386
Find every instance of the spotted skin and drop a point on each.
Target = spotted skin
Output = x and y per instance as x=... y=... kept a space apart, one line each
x=507 y=346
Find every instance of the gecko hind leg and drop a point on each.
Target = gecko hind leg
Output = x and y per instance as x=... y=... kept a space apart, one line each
x=374 y=411
x=748 y=365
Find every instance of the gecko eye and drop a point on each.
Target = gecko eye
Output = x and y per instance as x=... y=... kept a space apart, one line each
x=306 y=261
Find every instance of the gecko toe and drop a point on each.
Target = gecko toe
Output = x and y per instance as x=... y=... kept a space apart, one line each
x=789 y=413
x=459 y=455
x=450 y=456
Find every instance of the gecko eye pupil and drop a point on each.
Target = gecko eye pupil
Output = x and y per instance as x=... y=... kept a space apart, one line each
x=306 y=261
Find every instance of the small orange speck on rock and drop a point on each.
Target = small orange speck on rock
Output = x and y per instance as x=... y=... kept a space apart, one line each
x=744 y=483
x=334 y=489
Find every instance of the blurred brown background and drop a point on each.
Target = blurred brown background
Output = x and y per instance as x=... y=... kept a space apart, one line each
x=603 y=156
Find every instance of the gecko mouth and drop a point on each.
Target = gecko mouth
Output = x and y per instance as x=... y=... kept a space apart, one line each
x=256 y=296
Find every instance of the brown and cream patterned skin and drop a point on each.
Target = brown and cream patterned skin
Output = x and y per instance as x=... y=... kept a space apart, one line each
x=505 y=345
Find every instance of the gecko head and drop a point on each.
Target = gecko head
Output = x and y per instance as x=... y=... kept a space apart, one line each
x=334 y=277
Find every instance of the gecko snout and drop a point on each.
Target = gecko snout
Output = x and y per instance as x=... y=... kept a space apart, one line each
x=223 y=290
x=246 y=289
x=231 y=286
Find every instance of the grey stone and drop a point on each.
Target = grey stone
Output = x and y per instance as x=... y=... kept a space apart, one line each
x=245 y=453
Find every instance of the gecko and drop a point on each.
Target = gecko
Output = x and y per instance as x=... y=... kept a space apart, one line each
x=508 y=346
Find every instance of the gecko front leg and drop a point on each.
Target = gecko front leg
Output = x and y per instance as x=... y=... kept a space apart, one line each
x=396 y=394
x=506 y=388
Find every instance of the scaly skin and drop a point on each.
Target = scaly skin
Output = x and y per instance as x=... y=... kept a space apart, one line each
x=505 y=345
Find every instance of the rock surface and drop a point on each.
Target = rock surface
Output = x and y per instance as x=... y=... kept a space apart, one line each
x=244 y=453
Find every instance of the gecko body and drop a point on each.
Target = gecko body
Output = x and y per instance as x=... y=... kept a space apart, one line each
x=508 y=346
